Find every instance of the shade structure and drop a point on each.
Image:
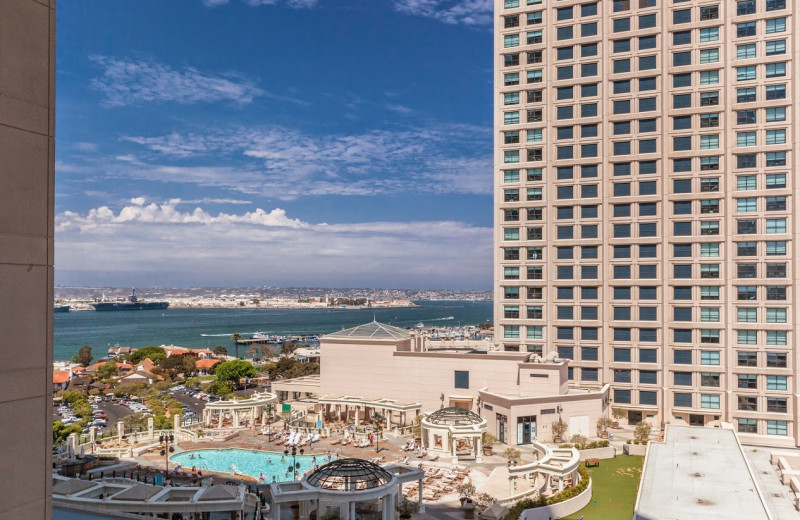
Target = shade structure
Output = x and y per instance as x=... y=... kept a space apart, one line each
x=220 y=492
x=454 y=416
x=140 y=492
x=349 y=474
x=72 y=486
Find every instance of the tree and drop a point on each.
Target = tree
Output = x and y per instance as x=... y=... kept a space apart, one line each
x=642 y=431
x=154 y=354
x=220 y=350
x=288 y=368
x=266 y=351
x=559 y=428
x=604 y=423
x=220 y=388
x=236 y=337
x=84 y=356
x=189 y=365
x=61 y=431
x=235 y=370
x=107 y=370
x=172 y=365
x=288 y=348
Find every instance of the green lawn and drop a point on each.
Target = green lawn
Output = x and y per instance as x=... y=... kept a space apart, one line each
x=614 y=486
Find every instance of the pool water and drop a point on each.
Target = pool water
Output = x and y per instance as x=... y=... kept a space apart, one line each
x=249 y=462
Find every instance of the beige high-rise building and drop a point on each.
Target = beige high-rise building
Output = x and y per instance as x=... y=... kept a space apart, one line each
x=27 y=160
x=644 y=192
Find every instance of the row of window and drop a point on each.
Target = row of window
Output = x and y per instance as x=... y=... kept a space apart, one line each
x=650 y=313
x=646 y=271
x=744 y=249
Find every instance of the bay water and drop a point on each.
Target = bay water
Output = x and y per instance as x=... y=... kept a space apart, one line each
x=206 y=328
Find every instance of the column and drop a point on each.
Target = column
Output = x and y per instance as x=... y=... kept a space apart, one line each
x=120 y=430
x=478 y=442
x=72 y=442
x=358 y=408
x=421 y=503
x=453 y=443
x=276 y=510
x=304 y=509
x=351 y=506
x=235 y=418
x=151 y=433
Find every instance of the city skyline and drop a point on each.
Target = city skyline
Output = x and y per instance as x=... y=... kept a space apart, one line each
x=212 y=143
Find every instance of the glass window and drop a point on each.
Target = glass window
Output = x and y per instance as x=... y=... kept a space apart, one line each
x=746 y=73
x=709 y=401
x=775 y=47
x=775 y=25
x=745 y=29
x=622 y=24
x=709 y=34
x=775 y=114
x=777 y=427
x=746 y=51
x=681 y=16
x=709 y=55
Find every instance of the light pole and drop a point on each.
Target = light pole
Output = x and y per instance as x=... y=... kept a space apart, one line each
x=295 y=465
x=270 y=409
x=166 y=440
x=379 y=418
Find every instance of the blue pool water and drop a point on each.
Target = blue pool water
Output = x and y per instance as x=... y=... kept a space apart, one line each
x=249 y=462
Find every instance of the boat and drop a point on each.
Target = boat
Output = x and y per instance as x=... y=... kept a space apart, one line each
x=133 y=304
x=61 y=308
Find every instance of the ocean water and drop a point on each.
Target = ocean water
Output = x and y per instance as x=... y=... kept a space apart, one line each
x=206 y=328
x=249 y=462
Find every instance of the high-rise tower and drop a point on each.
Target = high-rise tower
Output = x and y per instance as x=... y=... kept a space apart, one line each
x=644 y=191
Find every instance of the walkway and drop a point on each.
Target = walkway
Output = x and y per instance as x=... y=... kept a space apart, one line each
x=778 y=497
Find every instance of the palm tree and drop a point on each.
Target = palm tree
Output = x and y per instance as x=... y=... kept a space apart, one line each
x=236 y=337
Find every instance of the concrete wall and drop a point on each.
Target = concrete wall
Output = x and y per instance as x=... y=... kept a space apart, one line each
x=561 y=509
x=27 y=148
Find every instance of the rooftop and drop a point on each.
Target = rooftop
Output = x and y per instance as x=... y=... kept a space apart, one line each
x=454 y=416
x=349 y=475
x=698 y=473
x=372 y=330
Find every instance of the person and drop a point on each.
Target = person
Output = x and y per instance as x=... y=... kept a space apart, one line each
x=269 y=460
x=262 y=478
x=194 y=469
x=274 y=478
x=283 y=458
x=200 y=473
x=191 y=456
x=314 y=460
x=329 y=455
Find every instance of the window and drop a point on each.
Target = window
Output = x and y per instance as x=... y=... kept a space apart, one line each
x=709 y=401
x=743 y=30
x=680 y=59
x=564 y=33
x=709 y=357
x=776 y=383
x=776 y=136
x=511 y=118
x=534 y=18
x=744 y=7
x=681 y=16
x=681 y=38
x=709 y=142
x=683 y=357
x=745 y=95
x=709 y=314
x=746 y=73
x=746 y=51
x=710 y=12
x=461 y=379
x=776 y=360
x=747 y=425
x=709 y=77
x=775 y=25
x=564 y=13
x=588 y=49
x=747 y=381
x=681 y=100
x=621 y=24
x=622 y=396
x=510 y=60
x=775 y=47
x=773 y=5
x=682 y=378
x=777 y=405
x=775 y=158
x=775 y=114
x=776 y=92
x=747 y=403
x=775 y=70
x=709 y=250
x=776 y=338
x=534 y=37
x=709 y=56
x=709 y=34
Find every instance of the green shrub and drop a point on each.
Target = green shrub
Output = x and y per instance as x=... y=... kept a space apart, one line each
x=604 y=444
x=628 y=441
x=541 y=501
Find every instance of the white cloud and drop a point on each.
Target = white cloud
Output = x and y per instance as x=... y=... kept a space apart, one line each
x=85 y=147
x=284 y=163
x=466 y=12
x=263 y=246
x=133 y=82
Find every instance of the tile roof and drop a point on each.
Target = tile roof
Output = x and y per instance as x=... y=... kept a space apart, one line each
x=372 y=330
x=61 y=376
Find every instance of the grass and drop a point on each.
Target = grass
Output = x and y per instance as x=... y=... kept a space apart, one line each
x=614 y=486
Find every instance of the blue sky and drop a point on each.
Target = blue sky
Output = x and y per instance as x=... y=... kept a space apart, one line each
x=274 y=142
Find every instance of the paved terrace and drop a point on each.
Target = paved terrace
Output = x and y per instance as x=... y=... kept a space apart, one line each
x=698 y=473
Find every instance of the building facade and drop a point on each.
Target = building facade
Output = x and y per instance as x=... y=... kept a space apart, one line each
x=27 y=179
x=644 y=192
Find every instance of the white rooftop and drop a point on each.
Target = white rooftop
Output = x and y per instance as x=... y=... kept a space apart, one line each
x=372 y=330
x=698 y=472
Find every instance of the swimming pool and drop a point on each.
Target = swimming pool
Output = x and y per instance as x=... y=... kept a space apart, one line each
x=249 y=462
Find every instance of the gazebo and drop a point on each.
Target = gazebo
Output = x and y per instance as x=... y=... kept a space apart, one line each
x=347 y=489
x=450 y=430
x=236 y=413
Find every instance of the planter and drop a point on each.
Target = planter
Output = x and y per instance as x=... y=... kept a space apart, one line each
x=487 y=450
x=634 y=449
x=557 y=439
x=615 y=424
x=604 y=434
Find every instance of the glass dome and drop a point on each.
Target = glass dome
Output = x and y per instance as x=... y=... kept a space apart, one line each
x=349 y=475
x=454 y=416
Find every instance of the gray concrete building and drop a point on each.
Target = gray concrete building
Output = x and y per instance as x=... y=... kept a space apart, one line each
x=27 y=161
x=644 y=191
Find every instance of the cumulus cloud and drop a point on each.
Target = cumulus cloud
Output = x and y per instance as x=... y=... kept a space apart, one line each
x=286 y=163
x=466 y=12
x=263 y=246
x=135 y=81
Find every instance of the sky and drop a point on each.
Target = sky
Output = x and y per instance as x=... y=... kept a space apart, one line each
x=332 y=143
